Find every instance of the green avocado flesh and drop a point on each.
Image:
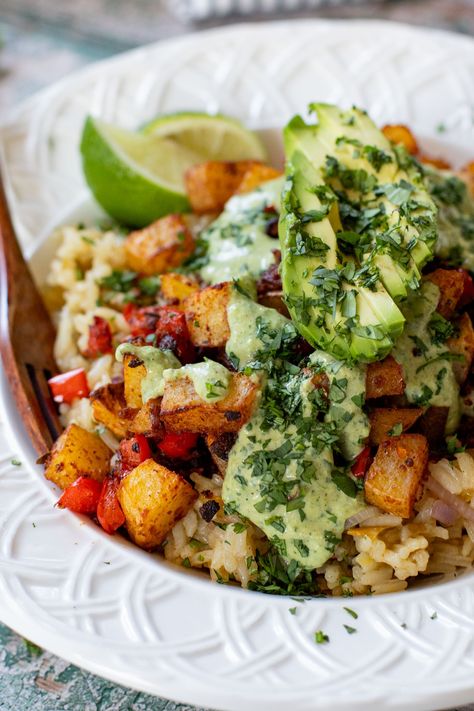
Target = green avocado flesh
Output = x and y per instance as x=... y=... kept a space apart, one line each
x=356 y=227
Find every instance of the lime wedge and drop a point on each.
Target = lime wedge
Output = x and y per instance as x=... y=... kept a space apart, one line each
x=215 y=137
x=136 y=178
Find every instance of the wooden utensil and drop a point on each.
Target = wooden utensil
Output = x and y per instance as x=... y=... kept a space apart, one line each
x=26 y=339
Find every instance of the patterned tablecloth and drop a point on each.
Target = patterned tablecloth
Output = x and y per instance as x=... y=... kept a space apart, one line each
x=44 y=41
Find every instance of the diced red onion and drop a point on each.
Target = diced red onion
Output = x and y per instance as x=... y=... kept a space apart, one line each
x=443 y=512
x=455 y=502
x=361 y=516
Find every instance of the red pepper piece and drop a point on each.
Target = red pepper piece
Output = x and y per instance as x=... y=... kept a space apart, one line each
x=178 y=445
x=142 y=321
x=134 y=451
x=82 y=496
x=362 y=462
x=100 y=338
x=66 y=387
x=468 y=290
x=167 y=325
x=109 y=511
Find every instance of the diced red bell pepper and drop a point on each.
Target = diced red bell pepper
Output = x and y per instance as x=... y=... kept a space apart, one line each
x=66 y=387
x=167 y=324
x=467 y=295
x=82 y=496
x=109 y=511
x=178 y=445
x=362 y=462
x=134 y=451
x=100 y=338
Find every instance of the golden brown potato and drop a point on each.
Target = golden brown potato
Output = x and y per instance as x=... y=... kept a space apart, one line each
x=384 y=419
x=147 y=419
x=450 y=283
x=206 y=316
x=255 y=176
x=153 y=499
x=219 y=446
x=133 y=373
x=77 y=453
x=394 y=477
x=160 y=247
x=385 y=377
x=209 y=185
x=467 y=174
x=110 y=409
x=182 y=410
x=436 y=162
x=175 y=288
x=397 y=133
x=463 y=345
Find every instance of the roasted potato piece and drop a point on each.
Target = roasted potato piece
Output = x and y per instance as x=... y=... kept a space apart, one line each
x=206 y=316
x=219 y=446
x=450 y=283
x=397 y=133
x=432 y=424
x=467 y=174
x=436 y=162
x=274 y=300
x=209 y=185
x=160 y=247
x=463 y=344
x=76 y=453
x=385 y=377
x=395 y=475
x=175 y=288
x=384 y=419
x=153 y=499
x=256 y=175
x=182 y=410
x=133 y=373
x=147 y=419
x=110 y=409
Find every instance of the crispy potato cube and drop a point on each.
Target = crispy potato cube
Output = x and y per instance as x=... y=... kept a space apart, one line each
x=432 y=424
x=76 y=453
x=450 y=283
x=133 y=373
x=110 y=409
x=153 y=499
x=160 y=247
x=206 y=316
x=175 y=288
x=385 y=377
x=397 y=133
x=255 y=176
x=147 y=420
x=467 y=174
x=384 y=419
x=394 y=477
x=463 y=344
x=219 y=446
x=182 y=410
x=436 y=162
x=209 y=185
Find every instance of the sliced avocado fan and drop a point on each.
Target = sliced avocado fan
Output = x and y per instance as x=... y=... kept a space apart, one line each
x=356 y=227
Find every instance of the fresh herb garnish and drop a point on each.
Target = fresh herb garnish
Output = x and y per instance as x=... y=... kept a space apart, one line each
x=320 y=637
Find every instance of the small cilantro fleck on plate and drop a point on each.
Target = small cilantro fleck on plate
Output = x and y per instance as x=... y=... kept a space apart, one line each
x=16 y=462
x=349 y=629
x=352 y=613
x=434 y=616
x=320 y=637
x=292 y=610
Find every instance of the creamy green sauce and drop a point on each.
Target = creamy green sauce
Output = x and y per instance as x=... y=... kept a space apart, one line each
x=266 y=465
x=156 y=361
x=237 y=242
x=428 y=373
x=455 y=218
x=347 y=397
x=246 y=319
x=211 y=380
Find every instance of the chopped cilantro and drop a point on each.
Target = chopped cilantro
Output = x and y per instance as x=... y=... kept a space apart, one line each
x=292 y=610
x=434 y=616
x=320 y=637
x=351 y=612
x=349 y=629
x=396 y=430
x=15 y=462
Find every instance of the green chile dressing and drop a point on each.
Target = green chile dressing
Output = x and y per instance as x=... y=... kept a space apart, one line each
x=156 y=361
x=211 y=380
x=237 y=242
x=429 y=377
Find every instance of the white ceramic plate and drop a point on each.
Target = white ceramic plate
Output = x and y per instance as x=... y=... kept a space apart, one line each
x=127 y=615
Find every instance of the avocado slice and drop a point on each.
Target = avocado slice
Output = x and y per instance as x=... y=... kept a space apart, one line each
x=356 y=227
